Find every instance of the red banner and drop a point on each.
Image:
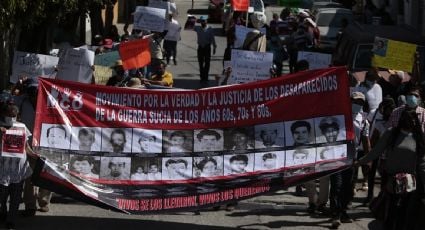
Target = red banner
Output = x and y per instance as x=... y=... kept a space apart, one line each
x=147 y=150
x=135 y=54
x=240 y=5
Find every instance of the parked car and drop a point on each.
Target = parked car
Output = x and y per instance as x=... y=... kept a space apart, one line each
x=330 y=21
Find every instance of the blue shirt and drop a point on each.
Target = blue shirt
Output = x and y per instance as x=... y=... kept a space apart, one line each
x=205 y=36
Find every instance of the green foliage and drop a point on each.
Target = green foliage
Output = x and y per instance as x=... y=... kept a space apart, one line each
x=37 y=12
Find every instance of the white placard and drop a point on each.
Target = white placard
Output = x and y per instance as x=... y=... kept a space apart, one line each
x=33 y=65
x=249 y=66
x=76 y=65
x=241 y=32
x=315 y=60
x=149 y=18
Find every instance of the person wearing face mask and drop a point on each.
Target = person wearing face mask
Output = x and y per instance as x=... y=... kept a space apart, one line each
x=206 y=38
x=14 y=165
x=377 y=129
x=372 y=91
x=160 y=77
x=413 y=102
x=341 y=191
x=404 y=165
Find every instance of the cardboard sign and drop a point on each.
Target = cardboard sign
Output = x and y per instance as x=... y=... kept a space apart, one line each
x=249 y=66
x=102 y=74
x=315 y=60
x=13 y=142
x=107 y=59
x=76 y=65
x=393 y=54
x=33 y=65
x=135 y=54
x=241 y=32
x=149 y=18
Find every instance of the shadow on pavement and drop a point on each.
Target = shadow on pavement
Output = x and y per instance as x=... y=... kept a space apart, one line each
x=284 y=223
x=90 y=223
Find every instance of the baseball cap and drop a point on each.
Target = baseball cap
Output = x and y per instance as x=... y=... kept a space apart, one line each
x=107 y=43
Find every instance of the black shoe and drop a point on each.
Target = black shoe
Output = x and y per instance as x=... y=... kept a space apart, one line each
x=345 y=218
x=29 y=212
x=10 y=226
x=175 y=61
x=197 y=213
x=311 y=208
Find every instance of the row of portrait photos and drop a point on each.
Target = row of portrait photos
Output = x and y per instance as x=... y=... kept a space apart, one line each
x=142 y=141
x=180 y=168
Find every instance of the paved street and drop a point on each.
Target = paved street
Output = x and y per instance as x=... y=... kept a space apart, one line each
x=281 y=210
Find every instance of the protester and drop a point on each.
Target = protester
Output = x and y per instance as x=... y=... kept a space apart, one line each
x=341 y=191
x=413 y=101
x=14 y=170
x=372 y=91
x=27 y=103
x=377 y=129
x=171 y=39
x=119 y=76
x=300 y=40
x=404 y=161
x=160 y=76
x=205 y=36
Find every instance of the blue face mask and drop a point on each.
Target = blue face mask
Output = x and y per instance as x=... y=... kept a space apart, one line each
x=412 y=101
x=356 y=108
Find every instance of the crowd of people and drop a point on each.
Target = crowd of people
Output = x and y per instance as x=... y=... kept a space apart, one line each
x=388 y=120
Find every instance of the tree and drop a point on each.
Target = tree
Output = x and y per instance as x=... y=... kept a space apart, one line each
x=30 y=26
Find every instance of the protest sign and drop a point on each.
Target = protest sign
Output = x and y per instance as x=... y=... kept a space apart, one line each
x=393 y=54
x=33 y=65
x=159 y=4
x=107 y=59
x=240 y=5
x=315 y=60
x=241 y=32
x=102 y=74
x=139 y=174
x=249 y=66
x=13 y=142
x=148 y=18
x=76 y=65
x=135 y=54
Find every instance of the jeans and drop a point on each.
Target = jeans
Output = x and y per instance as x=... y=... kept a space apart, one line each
x=14 y=192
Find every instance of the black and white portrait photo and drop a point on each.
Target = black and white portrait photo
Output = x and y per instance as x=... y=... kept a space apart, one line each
x=55 y=136
x=115 y=168
x=178 y=141
x=300 y=157
x=334 y=152
x=176 y=168
x=238 y=164
x=146 y=141
x=116 y=140
x=209 y=166
x=207 y=140
x=300 y=132
x=239 y=138
x=86 y=139
x=269 y=160
x=86 y=166
x=269 y=135
x=330 y=129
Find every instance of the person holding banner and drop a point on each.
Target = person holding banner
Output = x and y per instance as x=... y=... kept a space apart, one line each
x=206 y=39
x=14 y=164
x=119 y=76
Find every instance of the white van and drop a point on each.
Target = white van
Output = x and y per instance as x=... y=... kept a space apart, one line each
x=330 y=21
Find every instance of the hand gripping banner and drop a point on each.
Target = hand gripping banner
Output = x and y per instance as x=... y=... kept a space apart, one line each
x=144 y=151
